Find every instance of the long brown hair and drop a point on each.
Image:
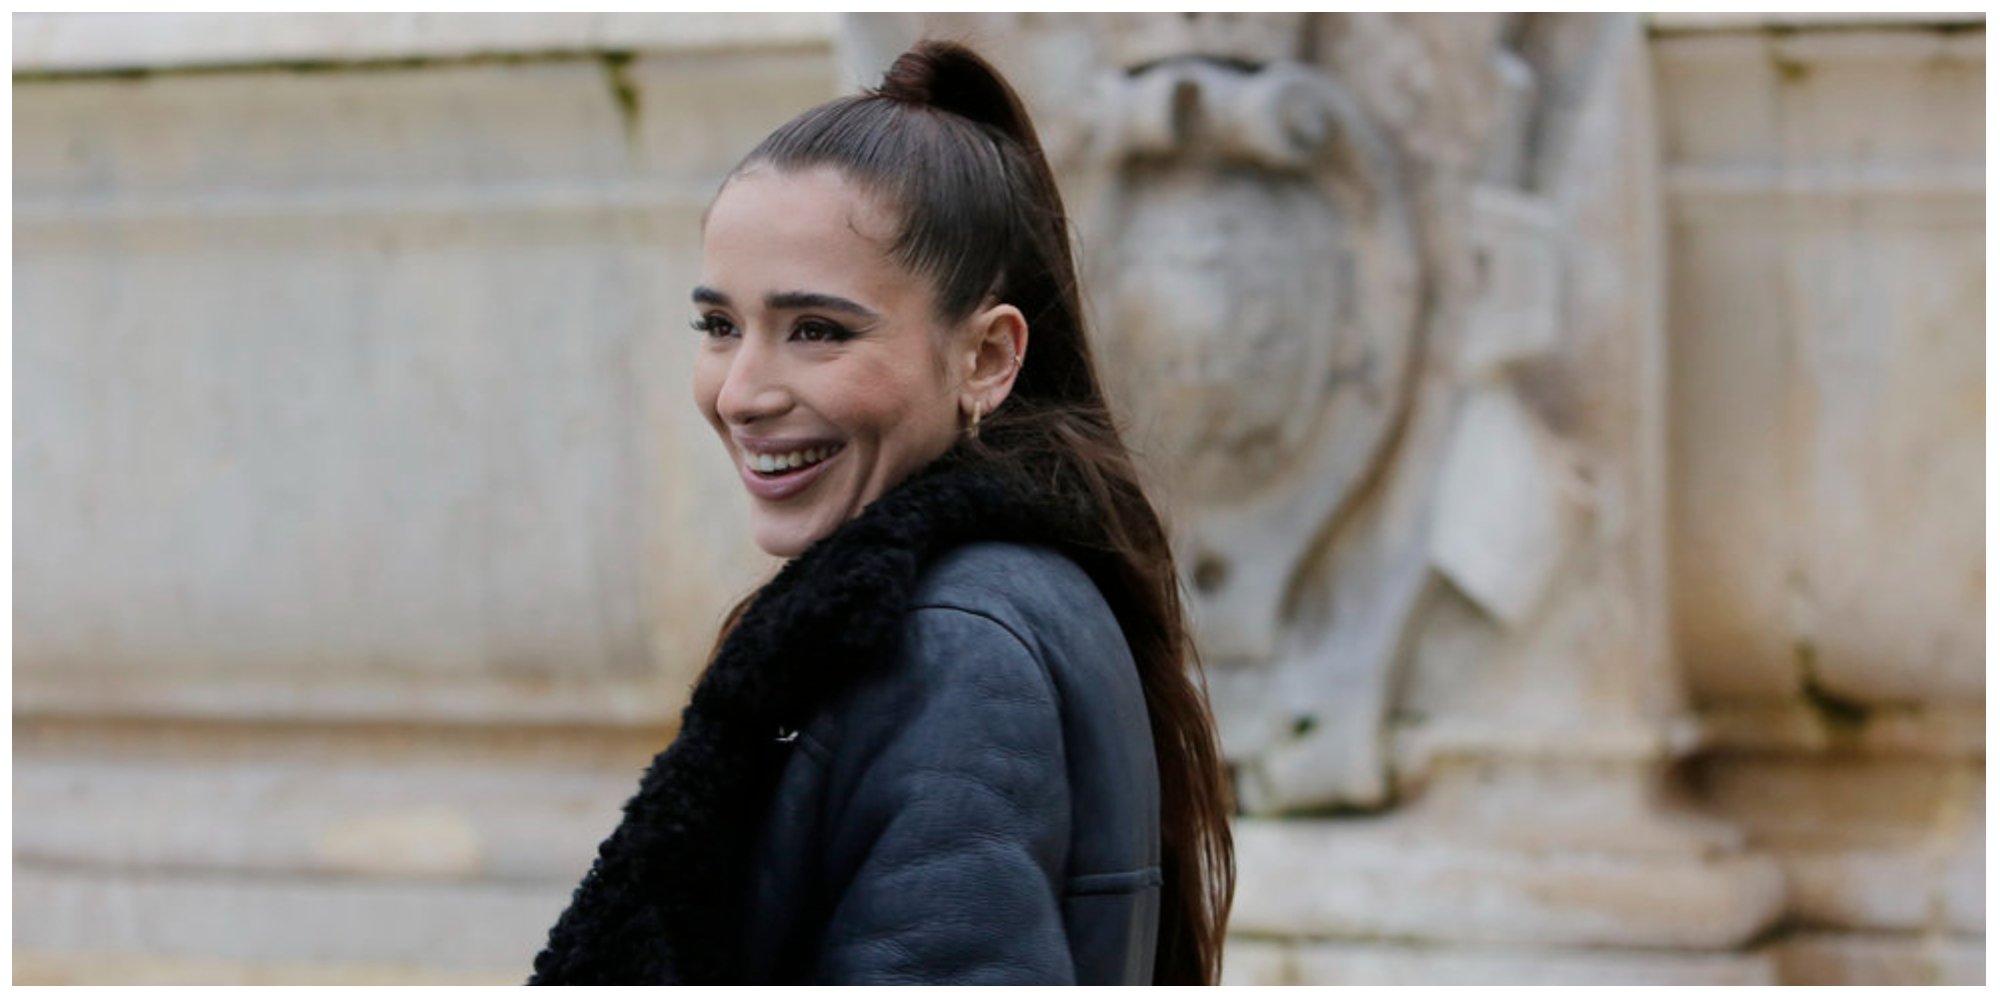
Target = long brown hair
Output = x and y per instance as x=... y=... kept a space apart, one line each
x=945 y=141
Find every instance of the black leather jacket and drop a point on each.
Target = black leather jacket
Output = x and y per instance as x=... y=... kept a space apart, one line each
x=986 y=810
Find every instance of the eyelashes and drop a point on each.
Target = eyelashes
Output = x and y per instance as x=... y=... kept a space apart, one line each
x=714 y=326
x=812 y=331
x=821 y=331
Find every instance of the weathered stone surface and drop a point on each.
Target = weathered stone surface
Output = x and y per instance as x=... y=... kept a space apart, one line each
x=1945 y=731
x=67 y=43
x=382 y=412
x=1517 y=260
x=1254 y=962
x=1743 y=20
x=1596 y=799
x=1390 y=879
x=97 y=968
x=1828 y=387
x=1824 y=959
x=1837 y=802
x=1965 y=869
x=1886 y=844
x=1507 y=512
x=369 y=807
x=477 y=927
x=1324 y=964
x=1865 y=890
x=420 y=841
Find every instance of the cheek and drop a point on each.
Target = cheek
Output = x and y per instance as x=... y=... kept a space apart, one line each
x=707 y=387
x=890 y=402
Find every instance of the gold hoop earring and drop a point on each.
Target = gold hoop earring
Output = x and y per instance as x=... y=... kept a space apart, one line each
x=972 y=430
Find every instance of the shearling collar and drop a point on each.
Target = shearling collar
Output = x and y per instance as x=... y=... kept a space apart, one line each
x=661 y=904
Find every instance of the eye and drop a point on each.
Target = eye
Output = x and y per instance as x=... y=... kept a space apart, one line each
x=715 y=325
x=821 y=331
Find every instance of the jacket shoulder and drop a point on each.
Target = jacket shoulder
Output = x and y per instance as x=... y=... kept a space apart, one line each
x=1034 y=591
x=1050 y=604
x=986 y=621
x=1010 y=724
x=1053 y=607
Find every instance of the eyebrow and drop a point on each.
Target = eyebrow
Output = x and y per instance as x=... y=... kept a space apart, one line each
x=704 y=295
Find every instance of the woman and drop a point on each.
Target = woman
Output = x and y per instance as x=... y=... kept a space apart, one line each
x=955 y=738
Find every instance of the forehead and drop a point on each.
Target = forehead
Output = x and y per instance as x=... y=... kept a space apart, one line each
x=810 y=230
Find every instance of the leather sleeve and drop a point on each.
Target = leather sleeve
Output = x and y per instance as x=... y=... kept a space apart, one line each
x=949 y=815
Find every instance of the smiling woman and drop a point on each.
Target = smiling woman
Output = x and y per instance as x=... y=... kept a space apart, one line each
x=960 y=736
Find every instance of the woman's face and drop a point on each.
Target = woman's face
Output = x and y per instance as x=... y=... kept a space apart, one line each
x=818 y=364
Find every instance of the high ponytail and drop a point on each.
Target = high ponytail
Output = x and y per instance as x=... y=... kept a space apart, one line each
x=951 y=78
x=946 y=144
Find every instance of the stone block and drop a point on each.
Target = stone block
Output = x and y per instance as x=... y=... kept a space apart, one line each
x=1886 y=844
x=1254 y=962
x=59 y=43
x=478 y=927
x=291 y=818
x=1666 y=23
x=1367 y=964
x=1728 y=505
x=97 y=968
x=1394 y=879
x=1863 y=890
x=1827 y=384
x=1965 y=868
x=1962 y=962
x=357 y=393
x=1946 y=731
x=1837 y=959
x=1853 y=802
x=1896 y=452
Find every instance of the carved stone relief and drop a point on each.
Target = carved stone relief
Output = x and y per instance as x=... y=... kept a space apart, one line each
x=1307 y=302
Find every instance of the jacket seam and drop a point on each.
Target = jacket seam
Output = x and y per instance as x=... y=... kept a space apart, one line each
x=1047 y=677
x=1113 y=883
x=821 y=751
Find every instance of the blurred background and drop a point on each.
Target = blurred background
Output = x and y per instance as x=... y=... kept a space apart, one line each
x=1571 y=425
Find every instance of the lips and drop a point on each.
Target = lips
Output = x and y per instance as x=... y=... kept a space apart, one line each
x=786 y=484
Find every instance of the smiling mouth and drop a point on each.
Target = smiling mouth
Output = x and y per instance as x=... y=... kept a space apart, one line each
x=781 y=466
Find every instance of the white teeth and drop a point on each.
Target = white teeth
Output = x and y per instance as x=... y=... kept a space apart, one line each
x=790 y=460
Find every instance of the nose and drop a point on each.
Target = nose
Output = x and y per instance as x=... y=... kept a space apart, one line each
x=754 y=386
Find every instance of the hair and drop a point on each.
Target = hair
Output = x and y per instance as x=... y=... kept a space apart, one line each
x=947 y=145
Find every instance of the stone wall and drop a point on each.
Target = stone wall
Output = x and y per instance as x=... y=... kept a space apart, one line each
x=1574 y=466
x=1826 y=191
x=368 y=540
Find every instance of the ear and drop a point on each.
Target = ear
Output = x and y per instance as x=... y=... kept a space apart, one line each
x=998 y=335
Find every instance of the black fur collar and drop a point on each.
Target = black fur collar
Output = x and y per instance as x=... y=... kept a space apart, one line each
x=661 y=902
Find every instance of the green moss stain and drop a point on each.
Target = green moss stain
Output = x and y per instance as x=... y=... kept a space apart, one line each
x=1343 y=811
x=320 y=67
x=624 y=93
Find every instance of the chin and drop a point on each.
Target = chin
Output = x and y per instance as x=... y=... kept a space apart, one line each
x=785 y=539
